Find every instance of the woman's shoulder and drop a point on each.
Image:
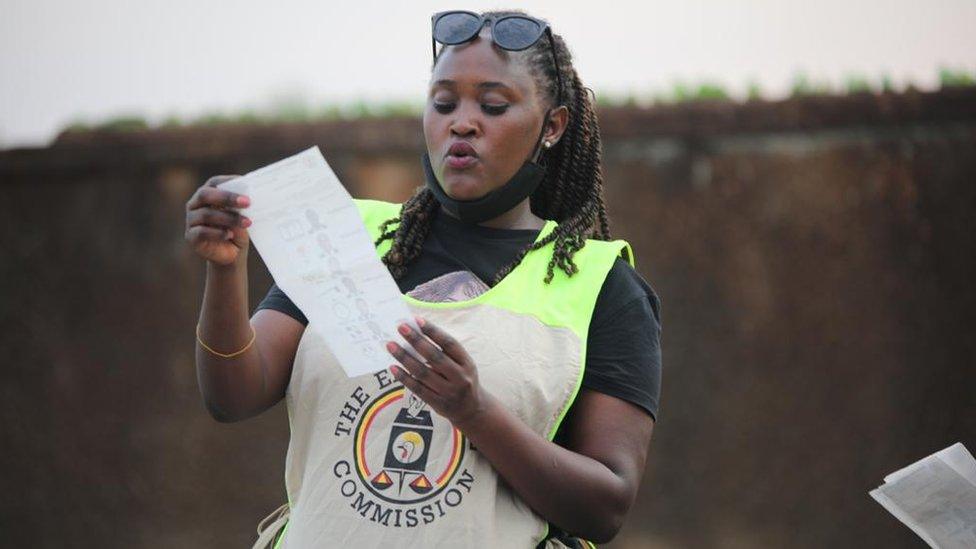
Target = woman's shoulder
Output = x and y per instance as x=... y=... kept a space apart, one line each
x=618 y=248
x=623 y=285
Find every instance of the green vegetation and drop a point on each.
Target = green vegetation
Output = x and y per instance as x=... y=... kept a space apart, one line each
x=294 y=108
x=803 y=85
x=887 y=85
x=951 y=78
x=77 y=126
x=610 y=99
x=754 y=91
x=122 y=123
x=857 y=83
x=705 y=91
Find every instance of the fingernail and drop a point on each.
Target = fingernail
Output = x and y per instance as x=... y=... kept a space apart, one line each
x=403 y=329
x=421 y=322
x=395 y=371
x=245 y=223
x=390 y=346
x=243 y=201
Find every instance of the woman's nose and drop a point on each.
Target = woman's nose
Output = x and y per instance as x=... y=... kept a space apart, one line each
x=466 y=122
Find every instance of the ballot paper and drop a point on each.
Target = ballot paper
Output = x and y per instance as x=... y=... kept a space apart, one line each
x=313 y=241
x=935 y=497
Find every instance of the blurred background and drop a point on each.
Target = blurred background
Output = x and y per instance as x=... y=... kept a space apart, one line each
x=798 y=180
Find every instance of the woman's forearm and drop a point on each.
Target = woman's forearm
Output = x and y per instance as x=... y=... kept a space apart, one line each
x=233 y=388
x=575 y=492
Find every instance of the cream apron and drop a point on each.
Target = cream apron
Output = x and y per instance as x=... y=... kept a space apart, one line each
x=369 y=465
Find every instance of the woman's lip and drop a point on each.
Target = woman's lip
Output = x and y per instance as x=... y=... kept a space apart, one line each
x=461 y=148
x=461 y=162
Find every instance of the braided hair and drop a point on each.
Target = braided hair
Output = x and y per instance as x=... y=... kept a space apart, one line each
x=571 y=192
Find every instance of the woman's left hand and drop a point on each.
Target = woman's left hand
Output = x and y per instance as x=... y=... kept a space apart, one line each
x=449 y=380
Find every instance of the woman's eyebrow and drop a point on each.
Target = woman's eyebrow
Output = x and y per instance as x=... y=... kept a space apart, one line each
x=493 y=85
x=482 y=85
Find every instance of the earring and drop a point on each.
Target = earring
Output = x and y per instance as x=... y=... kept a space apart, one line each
x=547 y=144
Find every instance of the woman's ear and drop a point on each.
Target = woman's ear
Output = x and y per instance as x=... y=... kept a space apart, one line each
x=556 y=124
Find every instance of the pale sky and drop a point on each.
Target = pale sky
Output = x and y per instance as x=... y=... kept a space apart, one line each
x=67 y=60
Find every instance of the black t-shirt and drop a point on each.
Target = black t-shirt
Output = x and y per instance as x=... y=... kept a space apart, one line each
x=623 y=352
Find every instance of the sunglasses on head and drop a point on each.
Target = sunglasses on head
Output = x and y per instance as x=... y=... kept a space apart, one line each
x=509 y=32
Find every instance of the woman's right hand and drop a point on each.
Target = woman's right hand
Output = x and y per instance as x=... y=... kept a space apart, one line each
x=215 y=229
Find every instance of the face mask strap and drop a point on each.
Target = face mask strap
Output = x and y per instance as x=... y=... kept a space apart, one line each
x=536 y=155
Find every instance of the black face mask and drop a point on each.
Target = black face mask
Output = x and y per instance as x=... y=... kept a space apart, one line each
x=521 y=186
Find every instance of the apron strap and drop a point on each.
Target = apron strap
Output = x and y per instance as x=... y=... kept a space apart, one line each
x=270 y=527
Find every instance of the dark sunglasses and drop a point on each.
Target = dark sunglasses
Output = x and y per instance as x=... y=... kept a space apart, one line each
x=509 y=32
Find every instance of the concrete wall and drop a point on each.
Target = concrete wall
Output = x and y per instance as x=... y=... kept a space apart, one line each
x=815 y=258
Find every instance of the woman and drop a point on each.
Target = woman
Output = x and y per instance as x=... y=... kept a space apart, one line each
x=529 y=422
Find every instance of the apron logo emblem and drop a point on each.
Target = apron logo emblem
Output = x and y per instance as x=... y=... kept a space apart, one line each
x=404 y=453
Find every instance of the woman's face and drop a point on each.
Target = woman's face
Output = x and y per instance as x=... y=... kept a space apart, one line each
x=484 y=103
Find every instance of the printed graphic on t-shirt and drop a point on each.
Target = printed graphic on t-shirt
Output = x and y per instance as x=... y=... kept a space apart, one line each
x=451 y=287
